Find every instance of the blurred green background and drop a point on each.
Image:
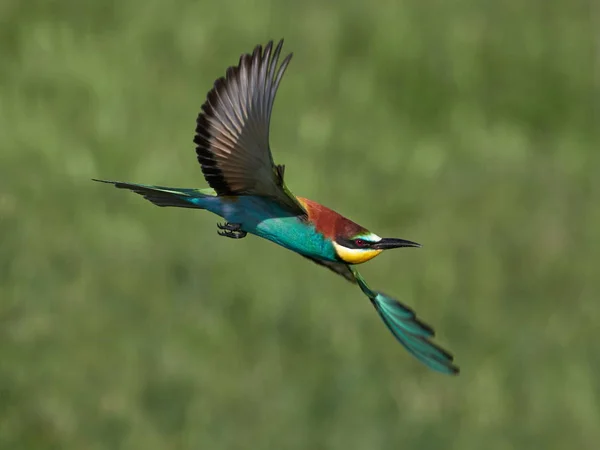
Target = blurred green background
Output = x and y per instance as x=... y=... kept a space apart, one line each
x=470 y=126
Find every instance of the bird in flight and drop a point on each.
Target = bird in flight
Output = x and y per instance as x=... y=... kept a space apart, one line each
x=248 y=191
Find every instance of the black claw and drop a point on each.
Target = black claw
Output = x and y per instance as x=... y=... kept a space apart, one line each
x=229 y=226
x=231 y=230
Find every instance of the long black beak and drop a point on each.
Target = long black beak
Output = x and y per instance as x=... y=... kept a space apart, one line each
x=388 y=243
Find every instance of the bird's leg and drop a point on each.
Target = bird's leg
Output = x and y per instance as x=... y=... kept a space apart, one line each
x=231 y=230
x=229 y=226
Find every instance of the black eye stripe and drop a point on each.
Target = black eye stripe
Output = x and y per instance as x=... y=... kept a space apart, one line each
x=357 y=243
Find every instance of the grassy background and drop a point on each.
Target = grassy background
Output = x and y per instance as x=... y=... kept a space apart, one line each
x=471 y=126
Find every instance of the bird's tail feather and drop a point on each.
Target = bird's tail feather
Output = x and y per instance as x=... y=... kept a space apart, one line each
x=412 y=333
x=165 y=196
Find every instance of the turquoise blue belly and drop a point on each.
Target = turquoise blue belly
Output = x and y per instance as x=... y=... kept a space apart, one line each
x=266 y=219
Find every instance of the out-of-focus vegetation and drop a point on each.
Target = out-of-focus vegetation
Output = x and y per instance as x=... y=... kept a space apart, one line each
x=470 y=126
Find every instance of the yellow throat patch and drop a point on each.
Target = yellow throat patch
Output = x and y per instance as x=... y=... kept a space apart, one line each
x=355 y=255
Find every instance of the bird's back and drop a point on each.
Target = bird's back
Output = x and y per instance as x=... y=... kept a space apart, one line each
x=329 y=222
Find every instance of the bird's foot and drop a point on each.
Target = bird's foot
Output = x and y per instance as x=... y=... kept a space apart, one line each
x=231 y=230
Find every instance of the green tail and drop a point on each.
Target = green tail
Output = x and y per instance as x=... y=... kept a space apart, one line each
x=413 y=334
x=165 y=196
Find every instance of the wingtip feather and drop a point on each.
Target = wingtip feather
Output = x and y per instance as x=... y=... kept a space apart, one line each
x=414 y=335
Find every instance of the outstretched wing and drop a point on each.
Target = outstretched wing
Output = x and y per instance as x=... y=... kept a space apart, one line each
x=232 y=131
x=411 y=332
x=402 y=321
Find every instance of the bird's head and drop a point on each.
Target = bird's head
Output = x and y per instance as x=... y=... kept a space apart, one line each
x=353 y=243
x=365 y=246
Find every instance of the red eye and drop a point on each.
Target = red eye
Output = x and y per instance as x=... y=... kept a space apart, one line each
x=360 y=243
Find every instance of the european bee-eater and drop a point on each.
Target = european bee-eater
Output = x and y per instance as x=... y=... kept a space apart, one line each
x=247 y=189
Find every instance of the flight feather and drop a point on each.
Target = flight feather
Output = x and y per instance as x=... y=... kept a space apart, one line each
x=232 y=130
